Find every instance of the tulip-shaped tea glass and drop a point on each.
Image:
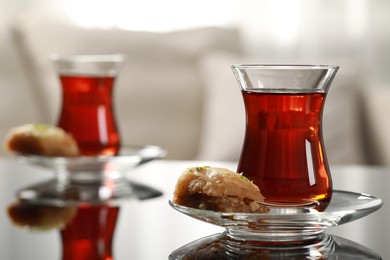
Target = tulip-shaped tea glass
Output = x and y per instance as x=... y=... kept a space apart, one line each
x=87 y=111
x=283 y=150
x=283 y=153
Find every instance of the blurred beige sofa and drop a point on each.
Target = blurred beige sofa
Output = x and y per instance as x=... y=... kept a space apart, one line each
x=159 y=91
x=176 y=90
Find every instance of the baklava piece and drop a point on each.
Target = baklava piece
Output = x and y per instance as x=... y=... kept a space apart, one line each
x=217 y=189
x=41 y=139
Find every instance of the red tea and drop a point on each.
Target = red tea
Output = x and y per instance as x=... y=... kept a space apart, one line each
x=89 y=235
x=87 y=113
x=283 y=150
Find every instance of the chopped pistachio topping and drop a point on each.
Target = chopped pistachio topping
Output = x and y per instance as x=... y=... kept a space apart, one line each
x=244 y=178
x=41 y=127
x=198 y=168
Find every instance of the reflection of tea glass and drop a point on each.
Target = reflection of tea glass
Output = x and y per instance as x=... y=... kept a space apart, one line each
x=283 y=150
x=87 y=111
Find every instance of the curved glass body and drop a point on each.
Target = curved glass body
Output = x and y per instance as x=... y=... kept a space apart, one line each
x=87 y=83
x=283 y=150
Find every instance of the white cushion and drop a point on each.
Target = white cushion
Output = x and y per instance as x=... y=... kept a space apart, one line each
x=376 y=106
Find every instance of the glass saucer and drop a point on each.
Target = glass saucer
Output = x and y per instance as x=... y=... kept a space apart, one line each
x=128 y=157
x=91 y=179
x=281 y=224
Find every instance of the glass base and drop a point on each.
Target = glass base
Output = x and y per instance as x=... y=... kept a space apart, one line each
x=223 y=246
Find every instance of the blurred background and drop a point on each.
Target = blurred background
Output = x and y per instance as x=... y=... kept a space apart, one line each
x=178 y=56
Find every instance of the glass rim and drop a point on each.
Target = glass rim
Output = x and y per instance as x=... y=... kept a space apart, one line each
x=87 y=57
x=284 y=66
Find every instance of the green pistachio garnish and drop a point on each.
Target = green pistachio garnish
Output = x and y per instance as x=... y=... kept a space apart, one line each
x=41 y=127
x=244 y=178
x=198 y=168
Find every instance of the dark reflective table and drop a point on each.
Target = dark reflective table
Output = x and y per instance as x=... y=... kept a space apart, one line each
x=151 y=229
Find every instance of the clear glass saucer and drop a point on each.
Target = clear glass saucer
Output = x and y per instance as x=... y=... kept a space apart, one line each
x=286 y=224
x=91 y=179
x=128 y=157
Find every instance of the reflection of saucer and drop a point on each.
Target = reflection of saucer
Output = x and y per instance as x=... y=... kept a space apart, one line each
x=91 y=179
x=51 y=193
x=289 y=223
x=218 y=246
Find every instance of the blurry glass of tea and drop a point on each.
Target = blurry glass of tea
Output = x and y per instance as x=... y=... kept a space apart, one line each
x=283 y=150
x=87 y=110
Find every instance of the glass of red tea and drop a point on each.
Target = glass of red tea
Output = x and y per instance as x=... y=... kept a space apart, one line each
x=283 y=150
x=87 y=111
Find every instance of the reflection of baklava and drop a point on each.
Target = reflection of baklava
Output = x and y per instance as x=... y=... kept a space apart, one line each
x=42 y=140
x=217 y=189
x=40 y=217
